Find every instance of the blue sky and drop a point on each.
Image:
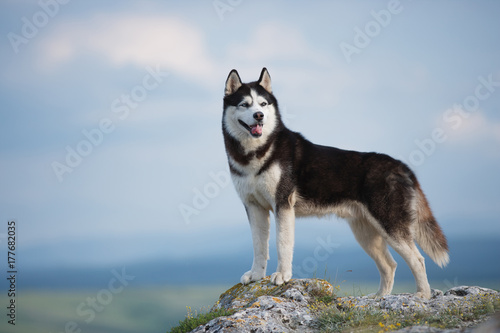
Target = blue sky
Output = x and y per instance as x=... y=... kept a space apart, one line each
x=135 y=89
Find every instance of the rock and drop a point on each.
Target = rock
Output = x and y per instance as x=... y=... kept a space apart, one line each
x=299 y=290
x=409 y=303
x=263 y=307
x=465 y=290
x=491 y=326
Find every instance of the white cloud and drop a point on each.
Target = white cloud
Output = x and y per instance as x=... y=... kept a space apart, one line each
x=181 y=48
x=476 y=128
x=470 y=129
x=170 y=42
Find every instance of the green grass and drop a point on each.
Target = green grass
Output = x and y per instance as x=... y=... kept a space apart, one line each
x=194 y=320
x=157 y=309
x=337 y=316
x=148 y=310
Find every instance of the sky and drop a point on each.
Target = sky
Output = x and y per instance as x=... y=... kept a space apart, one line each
x=110 y=122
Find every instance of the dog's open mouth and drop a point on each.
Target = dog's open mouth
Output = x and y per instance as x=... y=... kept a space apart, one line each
x=255 y=130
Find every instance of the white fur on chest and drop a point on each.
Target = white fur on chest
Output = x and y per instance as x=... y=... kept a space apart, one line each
x=258 y=189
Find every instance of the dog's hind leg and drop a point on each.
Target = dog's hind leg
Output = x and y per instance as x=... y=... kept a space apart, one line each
x=259 y=224
x=375 y=245
x=410 y=253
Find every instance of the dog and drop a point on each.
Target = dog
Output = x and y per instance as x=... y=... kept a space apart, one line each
x=276 y=169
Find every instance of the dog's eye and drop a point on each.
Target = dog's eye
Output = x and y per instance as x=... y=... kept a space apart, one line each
x=263 y=104
x=244 y=105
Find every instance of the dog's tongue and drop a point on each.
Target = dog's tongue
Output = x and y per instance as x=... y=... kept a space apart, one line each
x=256 y=129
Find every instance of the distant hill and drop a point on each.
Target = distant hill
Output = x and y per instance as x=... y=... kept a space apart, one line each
x=472 y=262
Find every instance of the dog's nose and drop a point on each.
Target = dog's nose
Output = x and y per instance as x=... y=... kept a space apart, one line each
x=258 y=116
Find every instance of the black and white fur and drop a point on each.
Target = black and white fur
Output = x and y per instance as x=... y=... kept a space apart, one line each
x=275 y=169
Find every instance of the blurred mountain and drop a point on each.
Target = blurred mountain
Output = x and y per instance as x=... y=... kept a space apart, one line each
x=472 y=262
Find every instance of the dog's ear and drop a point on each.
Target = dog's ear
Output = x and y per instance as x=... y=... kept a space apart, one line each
x=265 y=80
x=233 y=82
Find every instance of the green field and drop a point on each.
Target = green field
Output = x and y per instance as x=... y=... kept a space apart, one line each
x=132 y=310
x=138 y=309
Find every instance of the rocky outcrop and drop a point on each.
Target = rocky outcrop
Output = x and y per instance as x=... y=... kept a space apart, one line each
x=293 y=307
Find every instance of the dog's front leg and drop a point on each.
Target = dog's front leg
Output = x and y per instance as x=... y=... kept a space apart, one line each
x=259 y=224
x=285 y=234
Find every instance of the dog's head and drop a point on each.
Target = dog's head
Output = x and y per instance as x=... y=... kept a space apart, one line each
x=250 y=109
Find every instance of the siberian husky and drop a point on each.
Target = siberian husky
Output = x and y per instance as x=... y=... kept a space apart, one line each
x=276 y=169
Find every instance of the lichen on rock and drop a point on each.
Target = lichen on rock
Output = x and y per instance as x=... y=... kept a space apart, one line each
x=292 y=307
x=299 y=290
x=264 y=307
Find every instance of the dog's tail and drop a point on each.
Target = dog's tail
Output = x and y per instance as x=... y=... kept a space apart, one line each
x=428 y=233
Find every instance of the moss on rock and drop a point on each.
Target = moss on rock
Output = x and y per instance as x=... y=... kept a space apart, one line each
x=301 y=290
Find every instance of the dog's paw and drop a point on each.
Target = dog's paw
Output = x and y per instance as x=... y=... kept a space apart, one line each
x=279 y=278
x=423 y=295
x=250 y=277
x=376 y=295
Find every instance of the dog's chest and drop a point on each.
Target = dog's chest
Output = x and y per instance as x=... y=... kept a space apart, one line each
x=258 y=188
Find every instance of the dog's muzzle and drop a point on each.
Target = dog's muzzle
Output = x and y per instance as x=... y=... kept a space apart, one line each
x=255 y=130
